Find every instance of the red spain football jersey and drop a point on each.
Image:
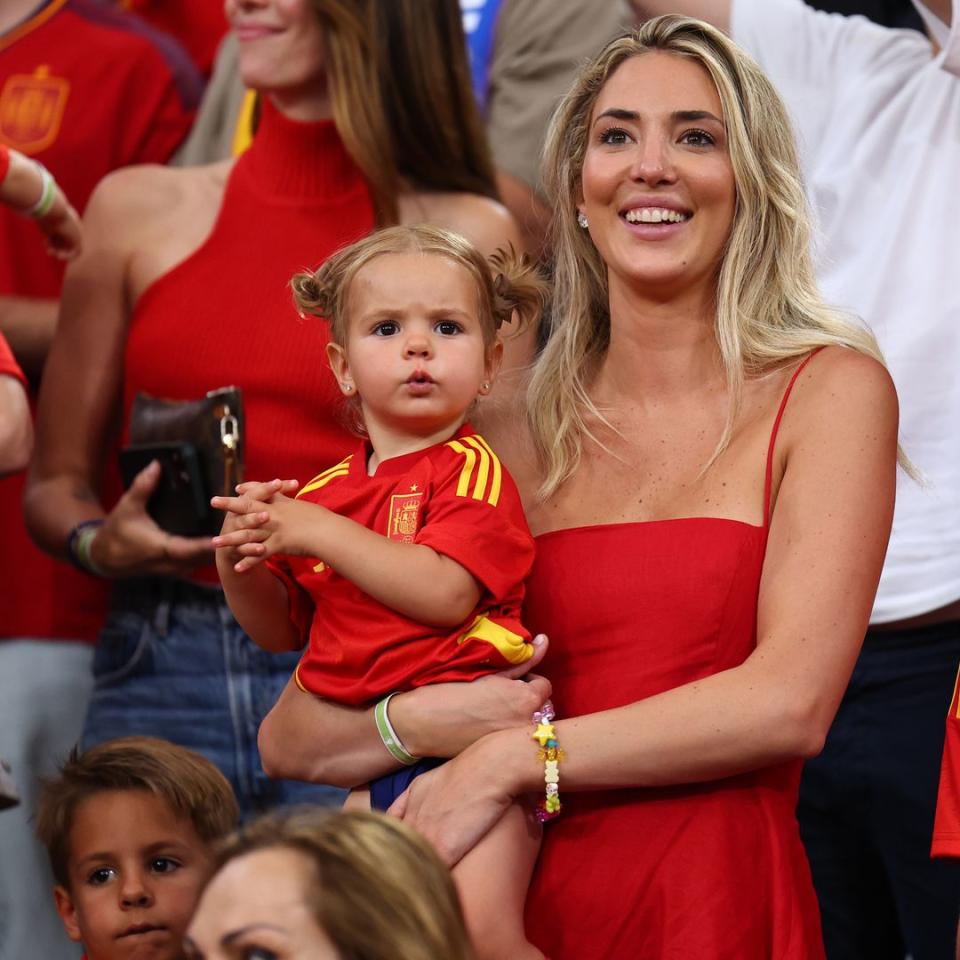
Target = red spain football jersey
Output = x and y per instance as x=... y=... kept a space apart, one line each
x=455 y=498
x=84 y=88
x=946 y=825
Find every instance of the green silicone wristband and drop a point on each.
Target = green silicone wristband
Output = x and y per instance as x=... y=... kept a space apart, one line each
x=389 y=736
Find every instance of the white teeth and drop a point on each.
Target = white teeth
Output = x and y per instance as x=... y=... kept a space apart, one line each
x=655 y=215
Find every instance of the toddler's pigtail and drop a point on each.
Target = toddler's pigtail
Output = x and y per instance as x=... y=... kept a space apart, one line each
x=315 y=293
x=520 y=290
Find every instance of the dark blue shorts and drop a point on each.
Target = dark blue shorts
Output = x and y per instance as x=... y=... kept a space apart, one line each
x=384 y=790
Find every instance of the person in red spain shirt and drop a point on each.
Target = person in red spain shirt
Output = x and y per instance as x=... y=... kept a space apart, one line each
x=84 y=89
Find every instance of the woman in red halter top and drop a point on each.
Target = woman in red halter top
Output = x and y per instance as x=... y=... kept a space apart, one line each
x=183 y=287
x=712 y=499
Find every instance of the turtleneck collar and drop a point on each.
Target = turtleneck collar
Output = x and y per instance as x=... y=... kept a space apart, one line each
x=297 y=160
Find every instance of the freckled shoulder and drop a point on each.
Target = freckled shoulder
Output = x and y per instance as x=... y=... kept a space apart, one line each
x=841 y=392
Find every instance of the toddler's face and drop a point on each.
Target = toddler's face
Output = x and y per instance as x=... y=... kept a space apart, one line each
x=415 y=352
x=255 y=907
x=135 y=876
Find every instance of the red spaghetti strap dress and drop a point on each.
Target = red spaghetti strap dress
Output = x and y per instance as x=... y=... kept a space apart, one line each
x=712 y=871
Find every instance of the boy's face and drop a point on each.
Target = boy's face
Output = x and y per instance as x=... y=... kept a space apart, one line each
x=135 y=876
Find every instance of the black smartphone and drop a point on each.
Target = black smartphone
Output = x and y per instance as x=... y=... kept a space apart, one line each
x=180 y=504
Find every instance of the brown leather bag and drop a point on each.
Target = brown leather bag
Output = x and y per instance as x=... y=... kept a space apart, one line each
x=214 y=427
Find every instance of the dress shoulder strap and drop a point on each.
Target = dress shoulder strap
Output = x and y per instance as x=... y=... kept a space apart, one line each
x=768 y=478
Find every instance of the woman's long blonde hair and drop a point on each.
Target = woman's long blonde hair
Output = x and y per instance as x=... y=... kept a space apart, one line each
x=769 y=308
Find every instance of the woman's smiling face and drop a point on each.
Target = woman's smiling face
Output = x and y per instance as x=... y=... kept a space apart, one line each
x=280 y=44
x=657 y=185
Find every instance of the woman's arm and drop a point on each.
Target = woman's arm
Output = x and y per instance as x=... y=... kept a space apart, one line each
x=77 y=418
x=306 y=738
x=825 y=551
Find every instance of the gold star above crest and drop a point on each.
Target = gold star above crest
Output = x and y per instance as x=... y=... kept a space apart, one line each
x=414 y=487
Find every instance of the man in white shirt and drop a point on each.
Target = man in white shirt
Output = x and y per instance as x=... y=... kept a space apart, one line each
x=877 y=113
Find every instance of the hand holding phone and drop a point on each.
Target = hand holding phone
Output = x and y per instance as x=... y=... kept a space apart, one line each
x=180 y=503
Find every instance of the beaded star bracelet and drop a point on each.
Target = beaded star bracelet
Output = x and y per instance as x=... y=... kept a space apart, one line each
x=551 y=756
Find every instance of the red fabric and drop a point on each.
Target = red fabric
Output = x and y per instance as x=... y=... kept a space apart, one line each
x=8 y=363
x=702 y=870
x=946 y=825
x=359 y=649
x=198 y=24
x=4 y=161
x=84 y=89
x=225 y=315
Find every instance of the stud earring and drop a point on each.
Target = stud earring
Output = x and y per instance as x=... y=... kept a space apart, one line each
x=582 y=220
x=348 y=388
x=485 y=386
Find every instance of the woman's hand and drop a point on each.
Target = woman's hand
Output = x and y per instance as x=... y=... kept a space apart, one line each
x=441 y=720
x=454 y=806
x=130 y=543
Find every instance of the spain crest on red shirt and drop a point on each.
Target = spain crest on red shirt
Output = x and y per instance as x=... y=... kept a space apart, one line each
x=31 y=109
x=404 y=516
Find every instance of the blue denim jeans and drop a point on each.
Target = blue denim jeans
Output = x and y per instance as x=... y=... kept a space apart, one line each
x=172 y=662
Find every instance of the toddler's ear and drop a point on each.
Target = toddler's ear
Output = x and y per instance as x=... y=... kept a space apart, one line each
x=340 y=365
x=67 y=911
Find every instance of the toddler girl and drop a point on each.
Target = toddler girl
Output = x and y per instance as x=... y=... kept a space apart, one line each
x=403 y=564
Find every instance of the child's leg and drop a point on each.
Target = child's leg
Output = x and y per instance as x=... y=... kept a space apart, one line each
x=493 y=879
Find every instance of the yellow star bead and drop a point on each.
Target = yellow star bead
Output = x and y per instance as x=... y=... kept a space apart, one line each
x=543 y=733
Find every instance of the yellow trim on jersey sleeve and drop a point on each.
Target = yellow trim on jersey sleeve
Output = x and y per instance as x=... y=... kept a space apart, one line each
x=480 y=463
x=322 y=479
x=511 y=646
x=463 y=484
x=494 y=497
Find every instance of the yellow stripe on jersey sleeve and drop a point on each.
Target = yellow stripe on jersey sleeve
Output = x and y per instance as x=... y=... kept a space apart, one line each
x=463 y=484
x=481 y=470
x=322 y=479
x=494 y=497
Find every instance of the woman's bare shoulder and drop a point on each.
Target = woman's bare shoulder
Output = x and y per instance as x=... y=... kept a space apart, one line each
x=144 y=199
x=838 y=375
x=485 y=222
x=842 y=392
